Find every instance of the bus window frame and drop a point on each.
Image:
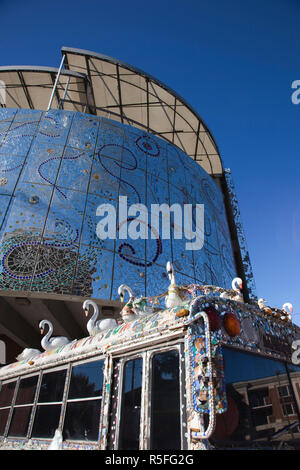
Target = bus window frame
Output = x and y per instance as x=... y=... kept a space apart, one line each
x=182 y=390
x=66 y=395
x=33 y=404
x=145 y=411
x=122 y=361
x=12 y=404
x=36 y=404
x=40 y=373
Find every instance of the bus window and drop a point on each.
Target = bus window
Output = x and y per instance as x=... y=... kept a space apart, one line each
x=6 y=397
x=131 y=405
x=49 y=404
x=84 y=402
x=23 y=407
x=261 y=408
x=165 y=401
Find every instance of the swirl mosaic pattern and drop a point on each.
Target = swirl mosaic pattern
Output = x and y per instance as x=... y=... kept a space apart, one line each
x=57 y=167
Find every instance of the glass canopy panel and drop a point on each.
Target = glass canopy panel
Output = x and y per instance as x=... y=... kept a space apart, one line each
x=130 y=94
x=125 y=72
x=188 y=116
x=100 y=91
x=182 y=124
x=136 y=114
x=103 y=66
x=161 y=94
x=72 y=90
x=159 y=120
x=135 y=80
x=208 y=144
x=76 y=62
x=38 y=88
x=188 y=141
x=15 y=96
x=111 y=93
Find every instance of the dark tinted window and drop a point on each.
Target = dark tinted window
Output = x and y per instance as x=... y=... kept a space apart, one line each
x=3 y=419
x=261 y=407
x=82 y=418
x=131 y=405
x=7 y=393
x=46 y=421
x=165 y=402
x=6 y=398
x=20 y=421
x=52 y=386
x=21 y=414
x=47 y=415
x=86 y=380
x=26 y=390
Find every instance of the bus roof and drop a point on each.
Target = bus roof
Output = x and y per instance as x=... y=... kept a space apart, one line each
x=126 y=336
x=259 y=334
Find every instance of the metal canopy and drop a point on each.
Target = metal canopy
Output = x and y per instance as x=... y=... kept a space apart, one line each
x=31 y=87
x=100 y=85
x=131 y=96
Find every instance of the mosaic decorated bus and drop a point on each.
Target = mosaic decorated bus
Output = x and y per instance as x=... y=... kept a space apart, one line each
x=211 y=372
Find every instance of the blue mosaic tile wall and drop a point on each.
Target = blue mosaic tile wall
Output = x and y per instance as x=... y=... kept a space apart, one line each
x=57 y=167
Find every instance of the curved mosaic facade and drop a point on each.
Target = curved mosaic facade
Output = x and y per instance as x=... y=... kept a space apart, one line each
x=57 y=167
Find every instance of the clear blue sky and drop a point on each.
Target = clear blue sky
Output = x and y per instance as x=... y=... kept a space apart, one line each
x=234 y=62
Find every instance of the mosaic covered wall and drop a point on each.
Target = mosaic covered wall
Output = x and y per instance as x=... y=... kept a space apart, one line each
x=57 y=167
x=241 y=235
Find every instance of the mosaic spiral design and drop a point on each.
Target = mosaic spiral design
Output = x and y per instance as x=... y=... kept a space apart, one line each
x=127 y=246
x=43 y=171
x=70 y=163
x=148 y=145
x=130 y=166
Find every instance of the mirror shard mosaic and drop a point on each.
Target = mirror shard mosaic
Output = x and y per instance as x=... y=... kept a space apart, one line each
x=57 y=167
